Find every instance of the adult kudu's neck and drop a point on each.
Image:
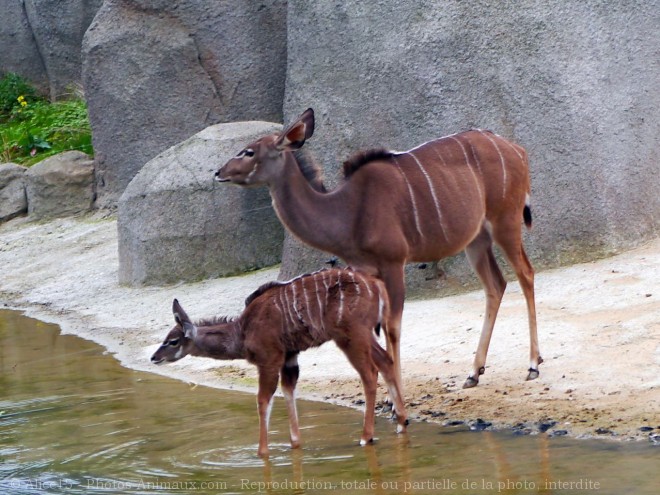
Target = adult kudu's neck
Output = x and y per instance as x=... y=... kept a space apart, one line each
x=219 y=340
x=321 y=219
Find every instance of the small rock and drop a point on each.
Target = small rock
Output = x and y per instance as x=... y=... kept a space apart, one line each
x=480 y=425
x=543 y=427
x=558 y=433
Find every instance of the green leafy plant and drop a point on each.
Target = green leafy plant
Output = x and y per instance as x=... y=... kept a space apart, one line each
x=34 y=129
x=13 y=87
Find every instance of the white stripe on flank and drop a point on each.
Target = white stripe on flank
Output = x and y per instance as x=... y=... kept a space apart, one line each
x=292 y=320
x=327 y=288
x=320 y=304
x=501 y=160
x=307 y=305
x=340 y=311
x=412 y=199
x=357 y=286
x=512 y=146
x=295 y=300
x=433 y=194
x=366 y=284
x=467 y=163
x=277 y=303
x=356 y=300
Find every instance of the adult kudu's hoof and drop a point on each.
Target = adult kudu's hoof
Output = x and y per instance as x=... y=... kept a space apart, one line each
x=471 y=381
x=532 y=375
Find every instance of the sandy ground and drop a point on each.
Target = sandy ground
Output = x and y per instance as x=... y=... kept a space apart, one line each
x=599 y=328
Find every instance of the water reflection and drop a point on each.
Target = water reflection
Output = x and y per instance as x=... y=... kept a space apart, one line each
x=73 y=421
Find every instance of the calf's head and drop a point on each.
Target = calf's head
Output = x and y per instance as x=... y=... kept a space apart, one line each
x=179 y=341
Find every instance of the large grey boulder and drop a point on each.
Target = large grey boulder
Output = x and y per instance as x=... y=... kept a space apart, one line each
x=175 y=223
x=576 y=83
x=61 y=185
x=41 y=40
x=157 y=72
x=13 y=201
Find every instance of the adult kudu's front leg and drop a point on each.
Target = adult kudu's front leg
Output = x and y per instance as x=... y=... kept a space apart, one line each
x=393 y=276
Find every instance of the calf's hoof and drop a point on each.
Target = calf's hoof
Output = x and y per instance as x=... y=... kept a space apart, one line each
x=364 y=442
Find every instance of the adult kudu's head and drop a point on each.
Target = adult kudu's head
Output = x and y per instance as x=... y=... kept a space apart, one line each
x=179 y=341
x=262 y=160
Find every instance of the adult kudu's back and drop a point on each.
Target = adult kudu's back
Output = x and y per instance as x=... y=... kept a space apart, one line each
x=454 y=193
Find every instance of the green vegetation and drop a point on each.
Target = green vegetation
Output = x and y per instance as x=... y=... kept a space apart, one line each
x=31 y=128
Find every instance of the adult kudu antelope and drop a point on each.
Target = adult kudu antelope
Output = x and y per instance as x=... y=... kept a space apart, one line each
x=459 y=192
x=282 y=319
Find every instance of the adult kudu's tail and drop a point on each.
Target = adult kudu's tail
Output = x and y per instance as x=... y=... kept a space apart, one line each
x=527 y=215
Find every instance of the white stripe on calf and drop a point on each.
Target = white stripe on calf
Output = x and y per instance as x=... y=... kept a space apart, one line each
x=340 y=311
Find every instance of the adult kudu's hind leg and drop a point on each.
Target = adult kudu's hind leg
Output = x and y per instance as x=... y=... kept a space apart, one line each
x=480 y=255
x=509 y=238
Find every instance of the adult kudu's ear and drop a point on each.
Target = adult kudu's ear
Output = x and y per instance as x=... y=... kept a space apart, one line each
x=294 y=136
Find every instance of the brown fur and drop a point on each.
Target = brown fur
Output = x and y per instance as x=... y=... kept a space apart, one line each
x=282 y=319
x=460 y=192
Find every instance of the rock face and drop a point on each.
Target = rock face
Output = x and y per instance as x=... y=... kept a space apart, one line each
x=13 y=201
x=157 y=72
x=576 y=83
x=41 y=40
x=175 y=223
x=60 y=186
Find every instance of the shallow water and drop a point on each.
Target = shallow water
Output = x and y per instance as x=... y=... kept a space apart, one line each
x=72 y=420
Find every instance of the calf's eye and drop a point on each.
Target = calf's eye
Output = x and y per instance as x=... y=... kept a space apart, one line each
x=173 y=342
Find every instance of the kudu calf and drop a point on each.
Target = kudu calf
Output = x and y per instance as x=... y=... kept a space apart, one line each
x=459 y=192
x=283 y=318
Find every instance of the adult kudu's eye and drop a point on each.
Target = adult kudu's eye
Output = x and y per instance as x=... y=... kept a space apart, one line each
x=249 y=152
x=173 y=342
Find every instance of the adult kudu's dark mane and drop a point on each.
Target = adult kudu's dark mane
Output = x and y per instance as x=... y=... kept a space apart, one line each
x=361 y=158
x=314 y=174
